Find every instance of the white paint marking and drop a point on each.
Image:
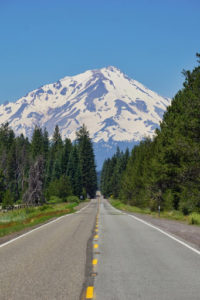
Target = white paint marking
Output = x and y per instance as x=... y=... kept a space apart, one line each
x=162 y=231
x=165 y=233
x=82 y=209
x=42 y=226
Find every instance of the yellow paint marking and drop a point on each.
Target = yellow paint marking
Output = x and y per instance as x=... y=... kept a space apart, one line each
x=95 y=261
x=96 y=246
x=96 y=230
x=96 y=236
x=90 y=292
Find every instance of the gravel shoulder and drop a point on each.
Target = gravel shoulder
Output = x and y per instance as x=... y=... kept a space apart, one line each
x=189 y=233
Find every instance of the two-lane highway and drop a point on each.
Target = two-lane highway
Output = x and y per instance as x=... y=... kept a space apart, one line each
x=131 y=260
x=48 y=263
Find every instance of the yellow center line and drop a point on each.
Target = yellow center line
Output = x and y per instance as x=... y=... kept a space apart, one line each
x=95 y=261
x=90 y=292
x=96 y=246
x=96 y=236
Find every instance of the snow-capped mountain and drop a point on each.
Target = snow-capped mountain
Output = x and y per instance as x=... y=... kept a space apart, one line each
x=115 y=109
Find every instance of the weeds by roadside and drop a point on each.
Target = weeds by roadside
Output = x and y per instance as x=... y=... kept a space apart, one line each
x=193 y=218
x=17 y=220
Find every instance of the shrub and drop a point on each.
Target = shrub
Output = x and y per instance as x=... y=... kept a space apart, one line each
x=55 y=199
x=60 y=188
x=185 y=207
x=194 y=219
x=8 y=199
x=29 y=210
x=44 y=207
x=73 y=199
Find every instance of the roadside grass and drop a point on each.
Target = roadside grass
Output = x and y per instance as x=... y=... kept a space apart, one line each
x=17 y=220
x=193 y=218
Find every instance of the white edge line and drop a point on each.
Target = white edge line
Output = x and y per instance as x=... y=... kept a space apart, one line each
x=165 y=233
x=21 y=236
x=160 y=230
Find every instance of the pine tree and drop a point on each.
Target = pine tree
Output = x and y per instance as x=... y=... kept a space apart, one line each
x=67 y=148
x=87 y=160
x=74 y=172
x=11 y=172
x=37 y=142
x=57 y=149
x=2 y=185
x=57 y=140
x=45 y=146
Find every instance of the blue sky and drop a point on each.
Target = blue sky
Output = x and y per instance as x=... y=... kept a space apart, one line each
x=42 y=41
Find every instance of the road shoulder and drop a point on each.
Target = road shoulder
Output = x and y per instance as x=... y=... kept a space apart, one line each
x=188 y=233
x=16 y=234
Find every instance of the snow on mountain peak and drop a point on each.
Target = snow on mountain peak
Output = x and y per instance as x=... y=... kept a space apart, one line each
x=114 y=107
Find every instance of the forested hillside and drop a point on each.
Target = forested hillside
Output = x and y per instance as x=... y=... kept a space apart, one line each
x=34 y=171
x=164 y=170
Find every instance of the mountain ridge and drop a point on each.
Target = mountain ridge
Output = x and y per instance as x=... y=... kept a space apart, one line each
x=114 y=107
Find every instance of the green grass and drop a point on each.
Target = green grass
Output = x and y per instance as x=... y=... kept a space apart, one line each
x=119 y=205
x=55 y=199
x=17 y=220
x=193 y=218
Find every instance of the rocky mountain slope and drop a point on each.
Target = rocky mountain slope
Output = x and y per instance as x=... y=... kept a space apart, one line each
x=117 y=110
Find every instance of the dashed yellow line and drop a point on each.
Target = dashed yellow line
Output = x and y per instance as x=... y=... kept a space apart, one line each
x=96 y=246
x=96 y=236
x=94 y=261
x=96 y=230
x=90 y=292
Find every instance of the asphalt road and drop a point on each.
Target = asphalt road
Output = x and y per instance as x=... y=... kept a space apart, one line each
x=131 y=260
x=136 y=261
x=48 y=263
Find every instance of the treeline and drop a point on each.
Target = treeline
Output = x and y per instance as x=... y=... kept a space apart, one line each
x=110 y=183
x=34 y=171
x=165 y=171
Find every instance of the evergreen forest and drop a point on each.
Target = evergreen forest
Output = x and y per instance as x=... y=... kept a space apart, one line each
x=32 y=172
x=165 y=170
